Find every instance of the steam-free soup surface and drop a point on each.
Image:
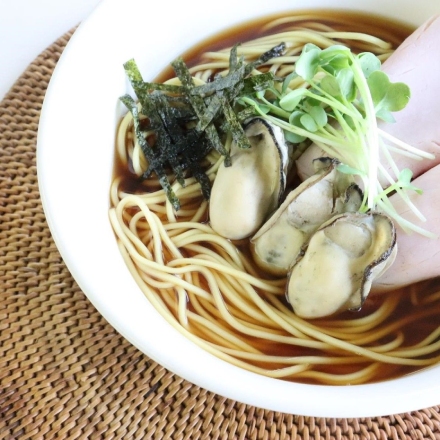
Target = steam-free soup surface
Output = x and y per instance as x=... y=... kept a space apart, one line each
x=409 y=316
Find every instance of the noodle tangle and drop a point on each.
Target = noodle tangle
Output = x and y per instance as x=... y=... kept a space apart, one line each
x=210 y=289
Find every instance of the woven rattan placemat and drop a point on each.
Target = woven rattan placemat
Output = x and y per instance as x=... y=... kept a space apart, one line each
x=65 y=373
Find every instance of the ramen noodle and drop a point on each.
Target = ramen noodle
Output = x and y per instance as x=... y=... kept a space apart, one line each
x=209 y=287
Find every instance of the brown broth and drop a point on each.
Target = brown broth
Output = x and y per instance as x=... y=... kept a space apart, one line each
x=394 y=32
x=423 y=319
x=389 y=30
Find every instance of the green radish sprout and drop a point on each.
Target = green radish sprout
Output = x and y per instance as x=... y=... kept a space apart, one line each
x=344 y=96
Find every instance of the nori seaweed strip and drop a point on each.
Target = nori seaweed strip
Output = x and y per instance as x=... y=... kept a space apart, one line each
x=275 y=52
x=235 y=84
x=234 y=125
x=233 y=80
x=163 y=141
x=169 y=88
x=134 y=75
x=169 y=116
x=244 y=114
x=199 y=107
x=256 y=83
x=215 y=104
x=171 y=135
x=186 y=145
x=234 y=76
x=143 y=89
x=181 y=107
x=136 y=80
x=221 y=83
x=211 y=112
x=202 y=178
x=233 y=57
x=128 y=101
x=169 y=108
x=166 y=115
x=228 y=96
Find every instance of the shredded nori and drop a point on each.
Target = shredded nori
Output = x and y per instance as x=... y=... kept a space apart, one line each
x=275 y=52
x=199 y=106
x=189 y=121
x=150 y=154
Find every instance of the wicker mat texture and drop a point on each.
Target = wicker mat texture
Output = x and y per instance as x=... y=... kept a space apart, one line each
x=65 y=373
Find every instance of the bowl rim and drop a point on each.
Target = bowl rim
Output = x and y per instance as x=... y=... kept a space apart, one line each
x=76 y=210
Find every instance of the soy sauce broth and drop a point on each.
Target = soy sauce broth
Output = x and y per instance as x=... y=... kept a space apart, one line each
x=421 y=318
x=389 y=30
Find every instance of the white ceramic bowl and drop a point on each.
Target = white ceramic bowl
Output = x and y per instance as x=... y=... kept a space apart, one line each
x=75 y=155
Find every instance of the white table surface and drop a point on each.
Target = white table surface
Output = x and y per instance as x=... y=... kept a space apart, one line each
x=27 y=27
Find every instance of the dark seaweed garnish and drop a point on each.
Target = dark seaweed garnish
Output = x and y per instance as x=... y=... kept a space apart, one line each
x=154 y=162
x=189 y=121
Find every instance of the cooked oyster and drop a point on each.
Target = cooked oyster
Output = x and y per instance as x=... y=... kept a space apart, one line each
x=340 y=263
x=327 y=193
x=245 y=193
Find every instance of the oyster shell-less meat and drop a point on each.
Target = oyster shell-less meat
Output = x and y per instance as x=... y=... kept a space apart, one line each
x=340 y=263
x=245 y=193
x=280 y=240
